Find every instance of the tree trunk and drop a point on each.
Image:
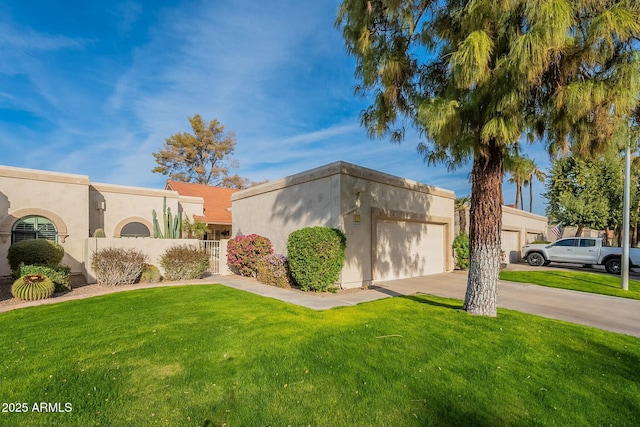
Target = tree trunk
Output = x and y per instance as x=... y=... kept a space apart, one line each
x=531 y=196
x=579 y=231
x=484 y=233
x=518 y=190
x=462 y=215
x=521 y=197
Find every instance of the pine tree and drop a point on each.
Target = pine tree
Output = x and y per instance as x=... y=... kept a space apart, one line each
x=475 y=76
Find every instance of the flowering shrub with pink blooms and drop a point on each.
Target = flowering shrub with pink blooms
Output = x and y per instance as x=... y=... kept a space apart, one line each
x=244 y=252
x=274 y=270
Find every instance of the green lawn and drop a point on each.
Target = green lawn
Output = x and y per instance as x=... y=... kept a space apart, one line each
x=211 y=355
x=587 y=282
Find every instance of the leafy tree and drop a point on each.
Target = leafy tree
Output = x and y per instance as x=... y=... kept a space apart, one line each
x=475 y=76
x=575 y=196
x=202 y=158
x=587 y=192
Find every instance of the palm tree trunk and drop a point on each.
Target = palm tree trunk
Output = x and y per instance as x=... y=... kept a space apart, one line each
x=531 y=195
x=518 y=190
x=521 y=197
x=462 y=215
x=484 y=232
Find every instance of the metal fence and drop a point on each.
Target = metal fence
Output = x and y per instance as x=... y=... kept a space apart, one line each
x=212 y=247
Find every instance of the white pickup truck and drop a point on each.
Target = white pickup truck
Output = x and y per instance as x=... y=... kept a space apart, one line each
x=579 y=250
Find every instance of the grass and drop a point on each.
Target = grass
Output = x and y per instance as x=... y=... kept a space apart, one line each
x=577 y=281
x=212 y=356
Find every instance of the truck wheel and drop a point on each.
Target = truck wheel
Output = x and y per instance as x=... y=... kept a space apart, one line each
x=613 y=266
x=535 y=259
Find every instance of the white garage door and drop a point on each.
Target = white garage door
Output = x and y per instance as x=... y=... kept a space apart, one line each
x=408 y=249
x=511 y=245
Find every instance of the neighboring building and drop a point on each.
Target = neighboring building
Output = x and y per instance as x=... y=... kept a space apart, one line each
x=217 y=206
x=518 y=228
x=395 y=228
x=68 y=208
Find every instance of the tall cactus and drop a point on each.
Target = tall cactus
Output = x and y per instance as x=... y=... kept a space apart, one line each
x=171 y=225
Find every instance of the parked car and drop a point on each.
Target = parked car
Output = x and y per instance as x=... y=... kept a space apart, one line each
x=579 y=250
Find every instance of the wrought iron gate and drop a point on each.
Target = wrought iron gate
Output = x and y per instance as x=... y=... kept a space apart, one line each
x=212 y=247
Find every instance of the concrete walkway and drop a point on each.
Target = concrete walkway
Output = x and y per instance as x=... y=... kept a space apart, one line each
x=609 y=313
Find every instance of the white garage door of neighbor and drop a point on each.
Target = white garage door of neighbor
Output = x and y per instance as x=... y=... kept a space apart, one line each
x=511 y=245
x=409 y=249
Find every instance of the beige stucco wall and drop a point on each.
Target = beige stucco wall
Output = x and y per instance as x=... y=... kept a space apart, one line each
x=62 y=198
x=191 y=206
x=123 y=204
x=78 y=207
x=331 y=196
x=153 y=248
x=277 y=208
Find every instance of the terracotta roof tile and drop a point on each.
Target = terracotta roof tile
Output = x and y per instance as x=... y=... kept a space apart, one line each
x=217 y=200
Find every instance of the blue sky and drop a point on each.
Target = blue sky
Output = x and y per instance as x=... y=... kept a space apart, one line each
x=95 y=87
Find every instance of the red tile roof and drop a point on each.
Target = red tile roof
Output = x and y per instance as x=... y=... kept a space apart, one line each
x=217 y=200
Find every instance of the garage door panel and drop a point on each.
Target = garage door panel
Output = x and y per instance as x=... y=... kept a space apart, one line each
x=408 y=249
x=511 y=245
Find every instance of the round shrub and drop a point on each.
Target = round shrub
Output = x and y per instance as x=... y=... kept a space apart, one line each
x=150 y=274
x=60 y=275
x=461 y=249
x=35 y=252
x=118 y=266
x=32 y=287
x=244 y=252
x=316 y=257
x=184 y=263
x=274 y=270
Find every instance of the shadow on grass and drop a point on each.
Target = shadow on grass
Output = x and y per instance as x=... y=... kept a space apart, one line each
x=426 y=299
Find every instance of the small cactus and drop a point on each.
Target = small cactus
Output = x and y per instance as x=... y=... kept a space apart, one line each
x=150 y=274
x=99 y=232
x=32 y=287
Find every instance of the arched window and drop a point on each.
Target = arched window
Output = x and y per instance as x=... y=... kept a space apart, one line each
x=33 y=227
x=135 y=229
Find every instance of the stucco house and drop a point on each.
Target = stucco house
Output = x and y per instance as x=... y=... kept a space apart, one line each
x=518 y=228
x=395 y=227
x=68 y=208
x=217 y=206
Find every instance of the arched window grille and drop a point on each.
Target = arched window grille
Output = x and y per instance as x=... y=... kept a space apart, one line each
x=34 y=227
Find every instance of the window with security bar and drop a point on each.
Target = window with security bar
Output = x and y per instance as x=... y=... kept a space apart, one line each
x=34 y=227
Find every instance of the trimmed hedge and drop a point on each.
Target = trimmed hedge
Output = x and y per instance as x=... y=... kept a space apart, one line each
x=34 y=252
x=60 y=275
x=184 y=263
x=244 y=252
x=316 y=257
